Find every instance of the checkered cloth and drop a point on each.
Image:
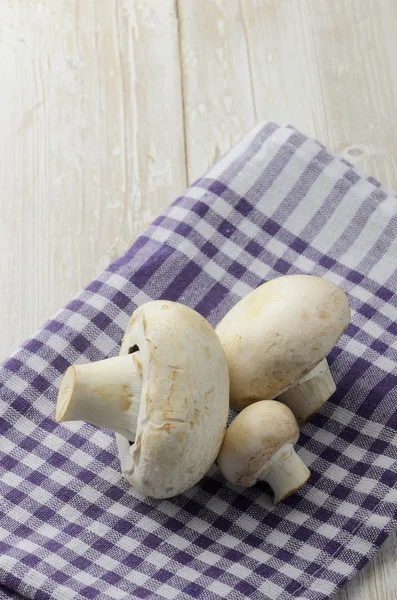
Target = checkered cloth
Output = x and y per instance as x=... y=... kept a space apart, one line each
x=70 y=527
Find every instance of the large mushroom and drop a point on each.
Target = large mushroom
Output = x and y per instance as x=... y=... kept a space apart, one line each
x=168 y=392
x=259 y=446
x=276 y=340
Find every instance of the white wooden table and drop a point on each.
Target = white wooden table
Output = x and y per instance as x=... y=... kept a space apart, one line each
x=109 y=108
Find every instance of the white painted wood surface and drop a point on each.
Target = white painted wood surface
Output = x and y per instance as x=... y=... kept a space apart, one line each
x=109 y=107
x=91 y=143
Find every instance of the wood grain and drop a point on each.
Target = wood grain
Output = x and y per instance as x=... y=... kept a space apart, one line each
x=329 y=69
x=91 y=144
x=214 y=54
x=108 y=108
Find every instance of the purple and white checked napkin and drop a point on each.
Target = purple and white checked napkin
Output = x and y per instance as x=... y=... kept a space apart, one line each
x=70 y=527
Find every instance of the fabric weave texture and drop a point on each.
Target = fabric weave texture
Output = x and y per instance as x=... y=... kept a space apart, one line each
x=71 y=527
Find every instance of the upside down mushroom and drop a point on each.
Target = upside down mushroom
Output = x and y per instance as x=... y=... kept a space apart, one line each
x=168 y=392
x=259 y=446
x=276 y=340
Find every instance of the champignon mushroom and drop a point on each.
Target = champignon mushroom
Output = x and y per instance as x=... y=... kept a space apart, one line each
x=259 y=445
x=276 y=340
x=171 y=396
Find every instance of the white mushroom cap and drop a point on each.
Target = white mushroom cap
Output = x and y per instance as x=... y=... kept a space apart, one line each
x=278 y=333
x=259 y=445
x=184 y=400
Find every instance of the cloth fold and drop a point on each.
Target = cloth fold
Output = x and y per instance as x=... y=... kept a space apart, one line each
x=70 y=527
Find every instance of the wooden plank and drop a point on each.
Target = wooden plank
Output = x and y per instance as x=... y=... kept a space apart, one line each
x=218 y=99
x=327 y=68
x=91 y=144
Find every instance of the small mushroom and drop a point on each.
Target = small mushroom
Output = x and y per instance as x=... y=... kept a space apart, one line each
x=276 y=340
x=259 y=446
x=168 y=391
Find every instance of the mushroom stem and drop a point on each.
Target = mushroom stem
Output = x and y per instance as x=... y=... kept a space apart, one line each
x=105 y=393
x=285 y=472
x=310 y=393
